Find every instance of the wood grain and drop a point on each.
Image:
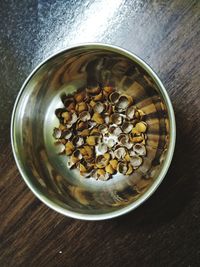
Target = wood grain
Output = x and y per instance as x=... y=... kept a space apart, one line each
x=165 y=231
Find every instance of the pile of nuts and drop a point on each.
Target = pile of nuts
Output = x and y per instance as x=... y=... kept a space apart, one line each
x=102 y=132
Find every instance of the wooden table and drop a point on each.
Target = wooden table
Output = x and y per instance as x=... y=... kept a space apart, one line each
x=165 y=231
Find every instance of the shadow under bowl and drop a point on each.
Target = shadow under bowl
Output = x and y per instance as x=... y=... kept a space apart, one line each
x=33 y=120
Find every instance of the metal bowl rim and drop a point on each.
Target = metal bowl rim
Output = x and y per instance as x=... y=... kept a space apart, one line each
x=172 y=134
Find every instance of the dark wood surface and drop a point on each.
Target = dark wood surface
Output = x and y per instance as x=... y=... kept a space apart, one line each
x=165 y=231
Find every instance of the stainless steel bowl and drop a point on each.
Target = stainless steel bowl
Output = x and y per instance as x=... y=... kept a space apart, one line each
x=33 y=121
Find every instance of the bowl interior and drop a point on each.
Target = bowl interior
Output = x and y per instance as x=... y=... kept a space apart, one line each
x=34 y=119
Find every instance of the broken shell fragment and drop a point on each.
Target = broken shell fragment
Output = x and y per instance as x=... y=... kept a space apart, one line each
x=136 y=139
x=78 y=141
x=123 y=102
x=84 y=132
x=92 y=140
x=141 y=127
x=57 y=133
x=117 y=131
x=60 y=147
x=136 y=161
x=98 y=97
x=109 y=169
x=139 y=149
x=66 y=134
x=123 y=138
x=69 y=148
x=66 y=116
x=116 y=118
x=97 y=118
x=74 y=118
x=84 y=116
x=82 y=106
x=81 y=125
x=100 y=174
x=103 y=128
x=101 y=161
x=114 y=163
x=99 y=107
x=122 y=167
x=120 y=153
x=127 y=127
x=93 y=90
x=111 y=143
x=80 y=96
x=101 y=149
x=130 y=169
x=130 y=113
x=114 y=97
x=106 y=119
x=69 y=104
